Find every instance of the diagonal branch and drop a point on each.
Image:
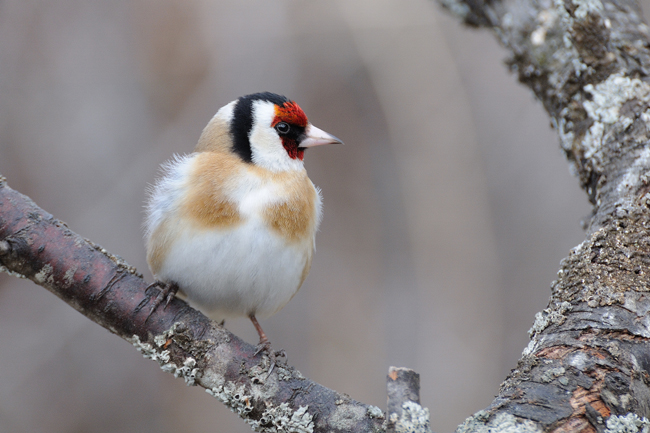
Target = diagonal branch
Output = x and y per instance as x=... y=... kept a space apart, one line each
x=184 y=342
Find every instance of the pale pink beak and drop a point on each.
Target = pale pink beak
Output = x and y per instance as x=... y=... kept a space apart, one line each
x=317 y=137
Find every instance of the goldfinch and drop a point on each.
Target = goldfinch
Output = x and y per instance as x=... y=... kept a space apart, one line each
x=232 y=225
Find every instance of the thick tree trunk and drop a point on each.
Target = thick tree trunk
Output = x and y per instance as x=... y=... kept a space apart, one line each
x=586 y=367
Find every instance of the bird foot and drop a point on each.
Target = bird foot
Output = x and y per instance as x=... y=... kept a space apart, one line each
x=166 y=292
x=265 y=346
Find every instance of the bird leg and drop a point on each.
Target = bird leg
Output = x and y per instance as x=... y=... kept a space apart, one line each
x=265 y=345
x=166 y=292
x=264 y=342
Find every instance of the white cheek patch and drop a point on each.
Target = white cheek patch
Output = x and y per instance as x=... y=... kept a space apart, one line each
x=266 y=146
x=226 y=112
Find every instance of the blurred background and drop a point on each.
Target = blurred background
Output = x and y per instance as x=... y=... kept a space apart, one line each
x=446 y=213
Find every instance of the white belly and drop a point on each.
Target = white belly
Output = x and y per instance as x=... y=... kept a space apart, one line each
x=241 y=271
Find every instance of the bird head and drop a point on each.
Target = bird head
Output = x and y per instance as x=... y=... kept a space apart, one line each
x=264 y=129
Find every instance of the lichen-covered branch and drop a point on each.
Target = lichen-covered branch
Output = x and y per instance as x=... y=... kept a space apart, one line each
x=588 y=363
x=35 y=245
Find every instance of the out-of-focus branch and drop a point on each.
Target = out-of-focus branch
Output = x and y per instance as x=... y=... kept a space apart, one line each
x=587 y=367
x=404 y=411
x=182 y=340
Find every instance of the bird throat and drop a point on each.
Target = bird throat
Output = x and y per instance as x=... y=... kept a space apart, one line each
x=292 y=148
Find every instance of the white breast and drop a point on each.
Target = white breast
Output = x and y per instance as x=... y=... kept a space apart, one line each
x=237 y=271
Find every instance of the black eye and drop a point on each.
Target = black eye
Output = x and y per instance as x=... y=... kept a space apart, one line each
x=282 y=128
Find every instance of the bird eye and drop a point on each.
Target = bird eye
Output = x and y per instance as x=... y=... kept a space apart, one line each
x=282 y=127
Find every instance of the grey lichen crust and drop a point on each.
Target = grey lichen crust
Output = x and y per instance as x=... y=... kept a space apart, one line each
x=585 y=60
x=502 y=422
x=604 y=108
x=187 y=370
x=12 y=273
x=548 y=316
x=593 y=118
x=375 y=412
x=275 y=419
x=549 y=44
x=414 y=419
x=554 y=314
x=238 y=398
x=345 y=416
x=630 y=423
x=44 y=276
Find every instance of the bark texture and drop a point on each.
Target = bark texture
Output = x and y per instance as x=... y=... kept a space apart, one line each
x=588 y=363
x=183 y=341
x=404 y=411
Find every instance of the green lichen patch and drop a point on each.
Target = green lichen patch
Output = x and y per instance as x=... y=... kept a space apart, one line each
x=554 y=314
x=375 y=412
x=552 y=373
x=502 y=422
x=187 y=370
x=274 y=419
x=414 y=419
x=604 y=108
x=630 y=423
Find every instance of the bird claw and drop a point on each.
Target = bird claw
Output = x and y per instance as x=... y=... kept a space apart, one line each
x=273 y=364
x=263 y=346
x=166 y=292
x=171 y=294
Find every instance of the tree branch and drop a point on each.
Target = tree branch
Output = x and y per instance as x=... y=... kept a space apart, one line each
x=587 y=365
x=182 y=340
x=404 y=411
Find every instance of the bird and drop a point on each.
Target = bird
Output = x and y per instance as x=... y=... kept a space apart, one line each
x=232 y=225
